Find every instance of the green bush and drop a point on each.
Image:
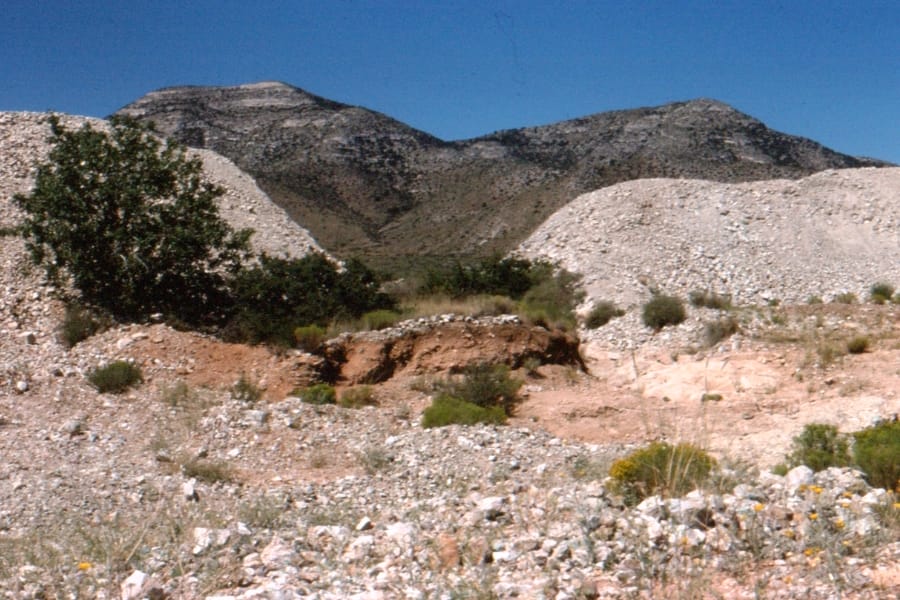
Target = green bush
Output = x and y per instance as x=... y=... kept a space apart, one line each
x=551 y=300
x=819 y=446
x=661 y=468
x=380 y=319
x=663 y=310
x=80 y=323
x=858 y=344
x=876 y=452
x=132 y=223
x=279 y=294
x=484 y=385
x=491 y=276
x=602 y=313
x=115 y=377
x=320 y=393
x=447 y=410
x=356 y=397
x=309 y=337
x=881 y=292
x=245 y=390
x=709 y=299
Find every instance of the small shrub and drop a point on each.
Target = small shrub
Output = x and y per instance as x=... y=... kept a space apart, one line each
x=661 y=468
x=209 y=471
x=819 y=446
x=245 y=390
x=79 y=324
x=602 y=313
x=116 y=377
x=551 y=300
x=709 y=299
x=531 y=365
x=380 y=319
x=320 y=393
x=447 y=410
x=876 y=452
x=881 y=292
x=177 y=394
x=356 y=397
x=374 y=459
x=663 y=310
x=309 y=338
x=845 y=298
x=858 y=344
x=484 y=385
x=814 y=300
x=716 y=331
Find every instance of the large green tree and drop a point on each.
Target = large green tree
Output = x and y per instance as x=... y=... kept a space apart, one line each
x=132 y=222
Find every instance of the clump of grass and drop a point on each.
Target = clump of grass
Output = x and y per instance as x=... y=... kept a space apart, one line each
x=320 y=393
x=357 y=396
x=309 y=337
x=814 y=299
x=80 y=323
x=881 y=292
x=661 y=468
x=877 y=453
x=484 y=385
x=858 y=344
x=818 y=447
x=845 y=298
x=245 y=390
x=709 y=299
x=374 y=459
x=380 y=319
x=663 y=310
x=209 y=471
x=720 y=329
x=115 y=377
x=177 y=394
x=447 y=410
x=602 y=313
x=531 y=365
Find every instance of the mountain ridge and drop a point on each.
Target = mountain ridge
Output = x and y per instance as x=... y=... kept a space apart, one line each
x=365 y=183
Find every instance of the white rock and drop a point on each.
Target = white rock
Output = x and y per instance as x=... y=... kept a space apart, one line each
x=133 y=586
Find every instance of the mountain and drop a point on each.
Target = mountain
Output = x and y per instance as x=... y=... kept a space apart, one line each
x=366 y=184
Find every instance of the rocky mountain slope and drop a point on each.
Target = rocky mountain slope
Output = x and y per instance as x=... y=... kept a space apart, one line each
x=365 y=183
x=778 y=240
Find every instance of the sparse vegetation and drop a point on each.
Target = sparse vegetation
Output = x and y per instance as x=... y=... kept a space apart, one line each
x=245 y=390
x=818 y=447
x=661 y=468
x=320 y=393
x=845 y=298
x=663 y=310
x=80 y=323
x=380 y=319
x=357 y=396
x=551 y=300
x=484 y=385
x=602 y=313
x=309 y=337
x=720 y=329
x=876 y=450
x=208 y=471
x=115 y=377
x=709 y=299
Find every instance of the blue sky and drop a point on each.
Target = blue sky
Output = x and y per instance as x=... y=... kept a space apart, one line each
x=826 y=70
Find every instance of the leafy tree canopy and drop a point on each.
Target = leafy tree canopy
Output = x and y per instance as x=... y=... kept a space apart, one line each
x=132 y=222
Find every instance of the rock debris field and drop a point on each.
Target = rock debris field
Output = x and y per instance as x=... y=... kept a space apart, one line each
x=186 y=491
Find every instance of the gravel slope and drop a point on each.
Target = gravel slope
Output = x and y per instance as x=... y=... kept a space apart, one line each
x=786 y=240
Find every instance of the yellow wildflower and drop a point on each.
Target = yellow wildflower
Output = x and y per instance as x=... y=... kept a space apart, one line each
x=815 y=489
x=813 y=516
x=758 y=507
x=839 y=523
x=84 y=566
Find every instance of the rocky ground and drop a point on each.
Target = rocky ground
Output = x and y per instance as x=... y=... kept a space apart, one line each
x=183 y=488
